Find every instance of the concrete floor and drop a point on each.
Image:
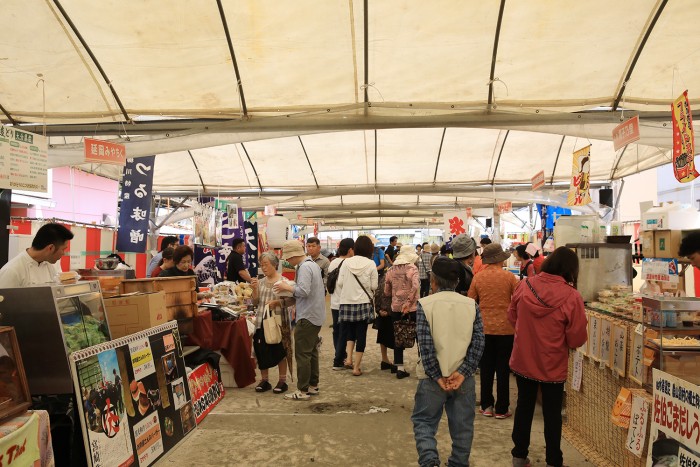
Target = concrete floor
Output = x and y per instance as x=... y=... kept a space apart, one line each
x=335 y=428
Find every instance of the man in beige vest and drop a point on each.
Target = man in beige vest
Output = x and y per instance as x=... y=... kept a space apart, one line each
x=450 y=338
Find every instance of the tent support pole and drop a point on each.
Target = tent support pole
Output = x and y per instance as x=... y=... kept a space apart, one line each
x=7 y=114
x=94 y=59
x=437 y=163
x=495 y=52
x=556 y=162
x=308 y=161
x=239 y=84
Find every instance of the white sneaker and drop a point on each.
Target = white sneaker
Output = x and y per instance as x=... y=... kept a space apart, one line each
x=297 y=396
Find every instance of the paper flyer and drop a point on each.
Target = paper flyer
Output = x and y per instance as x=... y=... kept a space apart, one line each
x=141 y=358
x=149 y=440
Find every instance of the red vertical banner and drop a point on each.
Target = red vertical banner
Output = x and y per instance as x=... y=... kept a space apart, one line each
x=683 y=140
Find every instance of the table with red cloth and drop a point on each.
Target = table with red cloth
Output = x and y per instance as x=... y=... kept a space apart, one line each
x=231 y=338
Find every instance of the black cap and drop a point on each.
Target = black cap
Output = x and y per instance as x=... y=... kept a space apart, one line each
x=446 y=268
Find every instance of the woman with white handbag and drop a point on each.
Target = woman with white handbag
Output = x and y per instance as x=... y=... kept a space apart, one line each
x=272 y=340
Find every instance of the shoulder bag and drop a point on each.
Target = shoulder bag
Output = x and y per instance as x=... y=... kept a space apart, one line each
x=272 y=326
x=371 y=300
x=404 y=332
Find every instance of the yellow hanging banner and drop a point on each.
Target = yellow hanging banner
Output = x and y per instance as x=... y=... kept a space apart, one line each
x=683 y=141
x=579 y=192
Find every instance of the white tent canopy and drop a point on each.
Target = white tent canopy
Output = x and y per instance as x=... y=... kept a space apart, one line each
x=296 y=103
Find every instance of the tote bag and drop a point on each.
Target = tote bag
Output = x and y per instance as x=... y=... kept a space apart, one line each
x=272 y=326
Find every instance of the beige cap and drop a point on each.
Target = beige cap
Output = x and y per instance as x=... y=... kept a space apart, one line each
x=292 y=248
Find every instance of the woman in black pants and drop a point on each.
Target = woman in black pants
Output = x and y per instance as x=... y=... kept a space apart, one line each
x=402 y=284
x=549 y=319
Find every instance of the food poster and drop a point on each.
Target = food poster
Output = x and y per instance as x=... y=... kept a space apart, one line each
x=155 y=411
x=102 y=399
x=675 y=426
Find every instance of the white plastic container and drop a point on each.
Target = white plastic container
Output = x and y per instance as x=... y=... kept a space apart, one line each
x=575 y=229
x=277 y=231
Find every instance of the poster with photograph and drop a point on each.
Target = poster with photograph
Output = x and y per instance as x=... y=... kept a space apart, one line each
x=104 y=413
x=136 y=406
x=674 y=431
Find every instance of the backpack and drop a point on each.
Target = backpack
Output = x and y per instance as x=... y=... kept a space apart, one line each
x=333 y=278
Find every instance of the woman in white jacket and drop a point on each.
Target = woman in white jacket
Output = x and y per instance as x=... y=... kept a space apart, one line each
x=357 y=281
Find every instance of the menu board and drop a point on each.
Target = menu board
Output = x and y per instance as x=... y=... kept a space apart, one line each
x=135 y=403
x=23 y=160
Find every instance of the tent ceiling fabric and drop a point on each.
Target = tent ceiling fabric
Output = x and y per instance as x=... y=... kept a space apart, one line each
x=291 y=103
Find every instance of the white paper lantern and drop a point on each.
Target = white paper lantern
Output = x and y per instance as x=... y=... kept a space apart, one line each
x=277 y=231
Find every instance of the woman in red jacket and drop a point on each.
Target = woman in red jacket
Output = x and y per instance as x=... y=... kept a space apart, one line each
x=549 y=319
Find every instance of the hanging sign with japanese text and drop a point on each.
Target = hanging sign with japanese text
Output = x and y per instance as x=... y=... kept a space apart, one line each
x=23 y=160
x=660 y=269
x=683 y=140
x=455 y=223
x=505 y=207
x=137 y=182
x=639 y=418
x=251 y=247
x=231 y=227
x=675 y=416
x=538 y=181
x=626 y=132
x=104 y=152
x=579 y=192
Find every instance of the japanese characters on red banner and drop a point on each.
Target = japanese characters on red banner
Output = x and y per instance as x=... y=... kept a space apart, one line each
x=104 y=152
x=683 y=140
x=675 y=421
x=135 y=209
x=206 y=390
x=579 y=189
x=626 y=132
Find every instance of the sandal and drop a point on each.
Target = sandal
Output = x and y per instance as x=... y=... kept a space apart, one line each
x=358 y=373
x=280 y=388
x=263 y=386
x=348 y=366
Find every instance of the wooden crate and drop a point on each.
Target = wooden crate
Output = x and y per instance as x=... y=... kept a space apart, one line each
x=180 y=297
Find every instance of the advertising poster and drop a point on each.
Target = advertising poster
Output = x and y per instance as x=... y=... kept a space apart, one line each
x=683 y=140
x=206 y=390
x=579 y=190
x=104 y=411
x=139 y=381
x=205 y=266
x=675 y=426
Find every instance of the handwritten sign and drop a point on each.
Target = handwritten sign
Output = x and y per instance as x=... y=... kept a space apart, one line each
x=637 y=432
x=104 y=152
x=605 y=341
x=23 y=160
x=538 y=181
x=637 y=356
x=594 y=337
x=626 y=132
x=675 y=413
x=578 y=371
x=619 y=355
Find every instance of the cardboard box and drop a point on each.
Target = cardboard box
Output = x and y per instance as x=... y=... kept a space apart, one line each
x=647 y=240
x=128 y=314
x=666 y=243
x=180 y=297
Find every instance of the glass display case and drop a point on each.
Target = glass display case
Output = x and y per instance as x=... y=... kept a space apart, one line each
x=602 y=265
x=51 y=322
x=14 y=392
x=673 y=335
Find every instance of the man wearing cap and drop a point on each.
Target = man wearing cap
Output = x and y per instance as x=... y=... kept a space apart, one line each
x=450 y=342
x=464 y=251
x=311 y=313
x=424 y=269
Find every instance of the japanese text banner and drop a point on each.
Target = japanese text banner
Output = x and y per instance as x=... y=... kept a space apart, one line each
x=675 y=416
x=683 y=140
x=579 y=193
x=137 y=182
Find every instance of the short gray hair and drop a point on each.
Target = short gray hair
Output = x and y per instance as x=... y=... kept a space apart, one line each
x=271 y=257
x=443 y=283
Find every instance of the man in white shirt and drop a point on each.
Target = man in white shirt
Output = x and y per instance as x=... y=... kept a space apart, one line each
x=37 y=264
